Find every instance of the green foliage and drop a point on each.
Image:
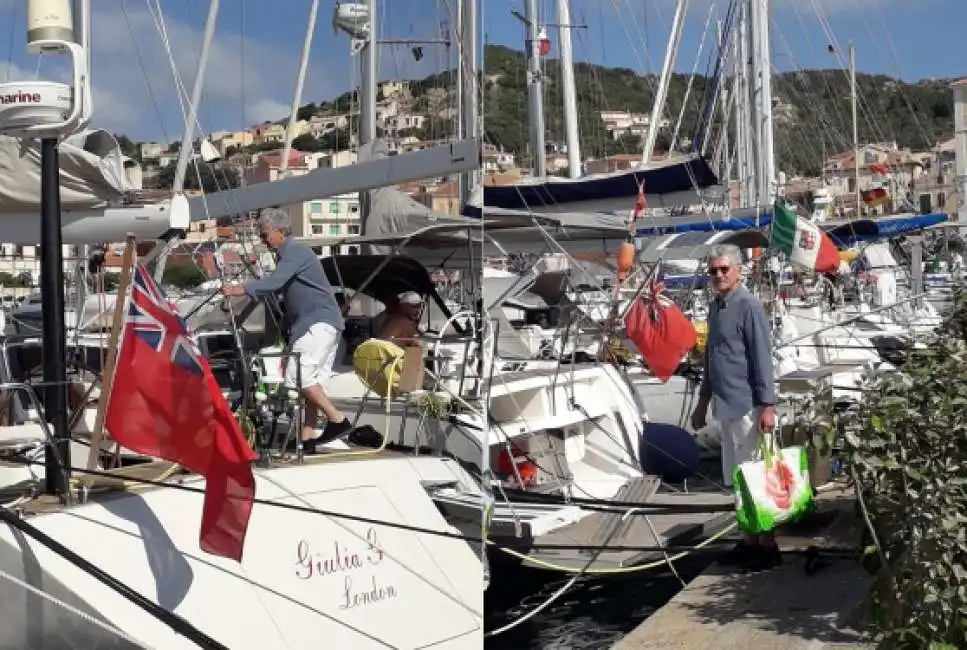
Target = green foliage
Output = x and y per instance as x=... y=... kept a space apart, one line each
x=812 y=120
x=128 y=148
x=10 y=280
x=910 y=462
x=185 y=276
x=213 y=177
x=111 y=281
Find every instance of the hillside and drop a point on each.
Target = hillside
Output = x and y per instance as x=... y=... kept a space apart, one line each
x=812 y=116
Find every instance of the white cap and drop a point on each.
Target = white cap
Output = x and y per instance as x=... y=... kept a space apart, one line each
x=410 y=298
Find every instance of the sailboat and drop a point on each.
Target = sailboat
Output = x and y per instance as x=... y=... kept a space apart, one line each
x=354 y=551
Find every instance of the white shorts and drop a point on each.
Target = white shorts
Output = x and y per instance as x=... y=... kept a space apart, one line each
x=740 y=442
x=317 y=354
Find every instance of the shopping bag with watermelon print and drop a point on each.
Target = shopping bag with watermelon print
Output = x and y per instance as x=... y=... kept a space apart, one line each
x=772 y=490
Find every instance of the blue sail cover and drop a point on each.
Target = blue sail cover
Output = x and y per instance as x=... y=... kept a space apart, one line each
x=867 y=230
x=741 y=221
x=688 y=175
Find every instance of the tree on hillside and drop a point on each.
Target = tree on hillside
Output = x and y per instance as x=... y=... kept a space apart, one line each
x=214 y=178
x=128 y=148
x=307 y=142
x=307 y=111
x=184 y=276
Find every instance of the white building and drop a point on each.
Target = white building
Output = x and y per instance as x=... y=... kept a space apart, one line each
x=334 y=216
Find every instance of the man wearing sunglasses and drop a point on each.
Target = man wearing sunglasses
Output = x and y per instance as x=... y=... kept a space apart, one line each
x=315 y=323
x=738 y=384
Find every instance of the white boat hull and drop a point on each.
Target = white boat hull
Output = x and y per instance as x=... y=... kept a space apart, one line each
x=306 y=578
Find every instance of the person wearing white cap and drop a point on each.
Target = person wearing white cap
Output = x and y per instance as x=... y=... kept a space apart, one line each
x=402 y=317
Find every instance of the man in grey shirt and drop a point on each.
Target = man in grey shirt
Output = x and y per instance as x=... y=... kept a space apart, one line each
x=315 y=323
x=738 y=382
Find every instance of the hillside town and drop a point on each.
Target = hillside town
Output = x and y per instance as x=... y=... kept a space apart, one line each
x=912 y=180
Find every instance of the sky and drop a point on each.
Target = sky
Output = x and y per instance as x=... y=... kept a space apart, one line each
x=255 y=54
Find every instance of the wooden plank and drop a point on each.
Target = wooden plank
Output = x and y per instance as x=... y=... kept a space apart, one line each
x=107 y=373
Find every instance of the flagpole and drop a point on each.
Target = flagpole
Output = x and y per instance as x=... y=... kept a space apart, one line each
x=107 y=373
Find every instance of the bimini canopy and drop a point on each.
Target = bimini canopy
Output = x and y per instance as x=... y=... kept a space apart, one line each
x=382 y=277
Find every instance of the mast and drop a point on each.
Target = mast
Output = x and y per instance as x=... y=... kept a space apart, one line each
x=187 y=137
x=960 y=145
x=856 y=128
x=184 y=154
x=742 y=121
x=755 y=114
x=671 y=52
x=569 y=89
x=535 y=90
x=299 y=83
x=725 y=160
x=469 y=98
x=369 y=62
x=768 y=180
x=51 y=29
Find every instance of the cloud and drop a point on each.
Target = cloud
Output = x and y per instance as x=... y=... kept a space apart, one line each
x=128 y=53
x=247 y=80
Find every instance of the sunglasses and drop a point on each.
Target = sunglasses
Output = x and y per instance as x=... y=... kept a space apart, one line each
x=718 y=270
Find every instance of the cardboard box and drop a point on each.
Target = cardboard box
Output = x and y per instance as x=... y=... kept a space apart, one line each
x=412 y=376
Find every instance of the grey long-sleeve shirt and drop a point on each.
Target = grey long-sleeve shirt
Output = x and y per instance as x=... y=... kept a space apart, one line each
x=308 y=296
x=738 y=357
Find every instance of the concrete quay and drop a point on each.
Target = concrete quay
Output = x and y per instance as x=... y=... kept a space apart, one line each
x=781 y=609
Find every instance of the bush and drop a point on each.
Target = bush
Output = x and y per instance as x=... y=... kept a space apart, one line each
x=186 y=276
x=909 y=459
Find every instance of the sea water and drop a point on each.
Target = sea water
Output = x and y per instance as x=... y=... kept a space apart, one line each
x=594 y=613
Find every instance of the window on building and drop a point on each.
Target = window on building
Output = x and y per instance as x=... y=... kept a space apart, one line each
x=353 y=250
x=316 y=229
x=334 y=207
x=317 y=250
x=335 y=229
x=315 y=208
x=353 y=208
x=353 y=229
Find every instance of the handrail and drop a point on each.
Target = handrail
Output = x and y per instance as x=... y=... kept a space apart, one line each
x=51 y=442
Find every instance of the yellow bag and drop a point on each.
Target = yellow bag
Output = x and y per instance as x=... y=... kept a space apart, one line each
x=701 y=337
x=378 y=364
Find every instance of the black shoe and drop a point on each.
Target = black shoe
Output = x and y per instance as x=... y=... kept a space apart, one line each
x=333 y=431
x=366 y=436
x=740 y=554
x=765 y=558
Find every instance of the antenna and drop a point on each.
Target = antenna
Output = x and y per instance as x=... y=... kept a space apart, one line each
x=353 y=19
x=48 y=111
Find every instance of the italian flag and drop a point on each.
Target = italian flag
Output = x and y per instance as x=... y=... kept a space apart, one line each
x=803 y=242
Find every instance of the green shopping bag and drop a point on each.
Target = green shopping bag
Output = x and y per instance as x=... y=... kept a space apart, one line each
x=772 y=490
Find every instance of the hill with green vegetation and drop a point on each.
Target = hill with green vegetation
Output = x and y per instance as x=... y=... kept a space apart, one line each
x=812 y=114
x=812 y=110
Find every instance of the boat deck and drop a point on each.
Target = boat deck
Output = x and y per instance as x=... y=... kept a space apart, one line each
x=634 y=538
x=146 y=475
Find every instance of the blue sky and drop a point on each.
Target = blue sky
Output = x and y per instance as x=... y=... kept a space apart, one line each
x=255 y=56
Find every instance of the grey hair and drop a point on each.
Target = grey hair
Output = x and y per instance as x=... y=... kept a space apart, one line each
x=728 y=251
x=276 y=219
